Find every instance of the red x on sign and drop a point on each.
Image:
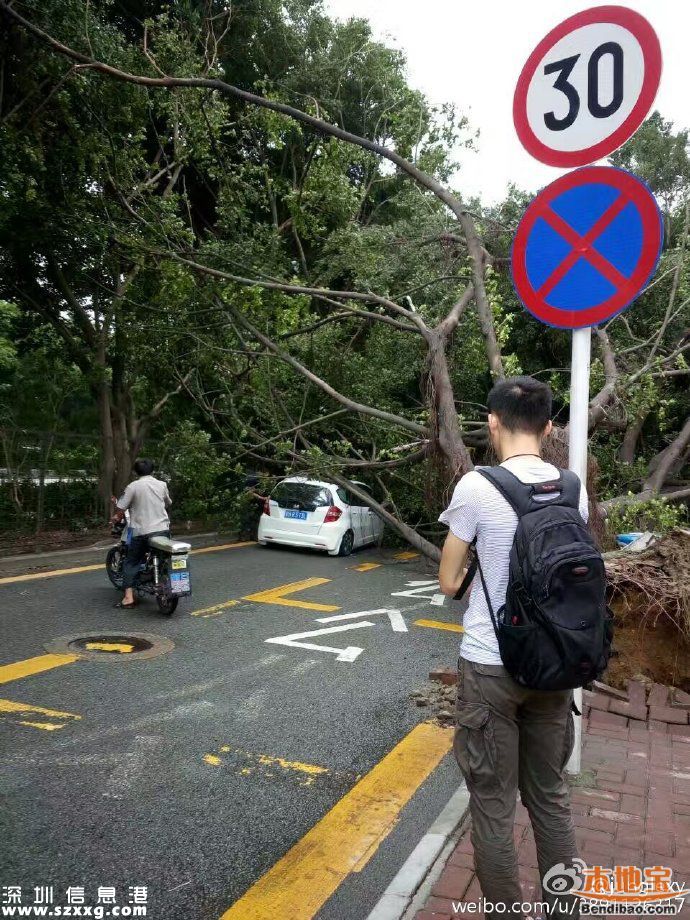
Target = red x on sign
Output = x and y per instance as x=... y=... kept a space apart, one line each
x=583 y=247
x=586 y=246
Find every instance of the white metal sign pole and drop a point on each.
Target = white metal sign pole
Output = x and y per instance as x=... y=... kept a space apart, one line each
x=577 y=462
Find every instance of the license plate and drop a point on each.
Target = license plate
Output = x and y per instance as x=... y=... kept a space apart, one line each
x=297 y=515
x=179 y=563
x=180 y=584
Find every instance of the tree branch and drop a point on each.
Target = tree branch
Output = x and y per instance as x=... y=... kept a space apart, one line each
x=446 y=326
x=599 y=403
x=324 y=294
x=667 y=459
x=454 y=204
x=334 y=394
x=156 y=410
x=671 y=495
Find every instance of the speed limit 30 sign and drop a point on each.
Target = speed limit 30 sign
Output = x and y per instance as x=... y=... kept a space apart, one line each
x=587 y=86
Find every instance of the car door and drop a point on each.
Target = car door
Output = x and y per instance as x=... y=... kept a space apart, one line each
x=368 y=518
x=355 y=512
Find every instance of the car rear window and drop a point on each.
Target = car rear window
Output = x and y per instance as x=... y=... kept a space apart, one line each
x=302 y=495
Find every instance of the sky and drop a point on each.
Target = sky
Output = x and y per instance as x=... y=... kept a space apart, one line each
x=471 y=54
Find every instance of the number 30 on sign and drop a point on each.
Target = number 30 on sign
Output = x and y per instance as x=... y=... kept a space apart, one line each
x=587 y=86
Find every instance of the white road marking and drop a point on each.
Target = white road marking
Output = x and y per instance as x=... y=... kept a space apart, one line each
x=252 y=706
x=60 y=760
x=128 y=766
x=198 y=709
x=343 y=654
x=397 y=620
x=428 y=589
x=197 y=689
x=131 y=766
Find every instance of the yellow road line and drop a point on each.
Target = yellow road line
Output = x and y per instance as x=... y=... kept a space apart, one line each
x=408 y=554
x=267 y=760
x=366 y=566
x=309 y=768
x=9 y=706
x=439 y=624
x=217 y=549
x=29 y=666
x=34 y=576
x=279 y=595
x=346 y=838
x=213 y=611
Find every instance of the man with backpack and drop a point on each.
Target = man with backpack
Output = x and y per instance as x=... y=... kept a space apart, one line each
x=534 y=629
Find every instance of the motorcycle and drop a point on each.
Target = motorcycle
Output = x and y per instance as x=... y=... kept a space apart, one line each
x=164 y=573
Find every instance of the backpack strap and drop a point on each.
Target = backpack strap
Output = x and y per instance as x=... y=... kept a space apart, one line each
x=518 y=494
x=469 y=575
x=521 y=495
x=571 y=485
x=474 y=567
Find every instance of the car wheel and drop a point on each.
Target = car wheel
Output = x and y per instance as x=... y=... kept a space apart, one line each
x=346 y=544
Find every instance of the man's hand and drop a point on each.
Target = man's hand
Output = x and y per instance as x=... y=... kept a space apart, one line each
x=118 y=516
x=452 y=565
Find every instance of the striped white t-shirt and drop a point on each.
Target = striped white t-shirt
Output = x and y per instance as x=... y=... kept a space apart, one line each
x=478 y=509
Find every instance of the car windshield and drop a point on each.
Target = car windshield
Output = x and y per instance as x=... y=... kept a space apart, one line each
x=304 y=496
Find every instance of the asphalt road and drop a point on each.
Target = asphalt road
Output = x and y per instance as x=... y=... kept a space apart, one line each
x=205 y=772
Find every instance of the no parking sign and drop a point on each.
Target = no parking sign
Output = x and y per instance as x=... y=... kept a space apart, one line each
x=586 y=246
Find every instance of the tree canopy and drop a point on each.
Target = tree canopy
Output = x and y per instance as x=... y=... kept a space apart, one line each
x=235 y=236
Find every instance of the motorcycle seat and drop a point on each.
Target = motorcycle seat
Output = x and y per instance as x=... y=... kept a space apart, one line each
x=166 y=545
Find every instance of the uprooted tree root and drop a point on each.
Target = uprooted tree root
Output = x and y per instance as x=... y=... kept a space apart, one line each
x=653 y=583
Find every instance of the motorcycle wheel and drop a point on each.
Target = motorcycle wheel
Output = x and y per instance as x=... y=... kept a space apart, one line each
x=113 y=565
x=167 y=603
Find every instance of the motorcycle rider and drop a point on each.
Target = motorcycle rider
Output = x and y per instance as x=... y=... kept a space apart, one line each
x=147 y=500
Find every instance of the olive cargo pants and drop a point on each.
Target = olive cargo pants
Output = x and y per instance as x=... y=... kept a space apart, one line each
x=508 y=738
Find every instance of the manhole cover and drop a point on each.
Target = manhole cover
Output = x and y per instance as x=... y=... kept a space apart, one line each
x=113 y=645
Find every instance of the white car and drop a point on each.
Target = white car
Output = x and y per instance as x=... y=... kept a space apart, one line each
x=321 y=515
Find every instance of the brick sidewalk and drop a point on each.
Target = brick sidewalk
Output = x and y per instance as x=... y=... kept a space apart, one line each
x=631 y=806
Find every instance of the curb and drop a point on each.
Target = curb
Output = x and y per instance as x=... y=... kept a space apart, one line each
x=411 y=887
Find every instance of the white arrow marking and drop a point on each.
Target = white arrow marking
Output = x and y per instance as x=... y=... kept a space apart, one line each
x=131 y=766
x=343 y=654
x=396 y=618
x=426 y=589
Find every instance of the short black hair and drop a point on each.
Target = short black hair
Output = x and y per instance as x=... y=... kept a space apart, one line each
x=521 y=404
x=144 y=467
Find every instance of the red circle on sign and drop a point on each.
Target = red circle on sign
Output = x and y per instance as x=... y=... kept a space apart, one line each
x=632 y=190
x=651 y=49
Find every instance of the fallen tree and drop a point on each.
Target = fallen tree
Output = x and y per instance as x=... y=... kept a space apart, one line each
x=437 y=427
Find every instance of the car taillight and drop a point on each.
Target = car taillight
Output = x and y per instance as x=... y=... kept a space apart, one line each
x=332 y=515
x=267 y=507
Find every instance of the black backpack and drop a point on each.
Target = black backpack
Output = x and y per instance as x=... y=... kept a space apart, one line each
x=554 y=631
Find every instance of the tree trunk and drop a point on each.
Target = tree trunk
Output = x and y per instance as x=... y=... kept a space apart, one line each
x=448 y=429
x=40 y=507
x=667 y=459
x=106 y=482
x=121 y=446
x=626 y=454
